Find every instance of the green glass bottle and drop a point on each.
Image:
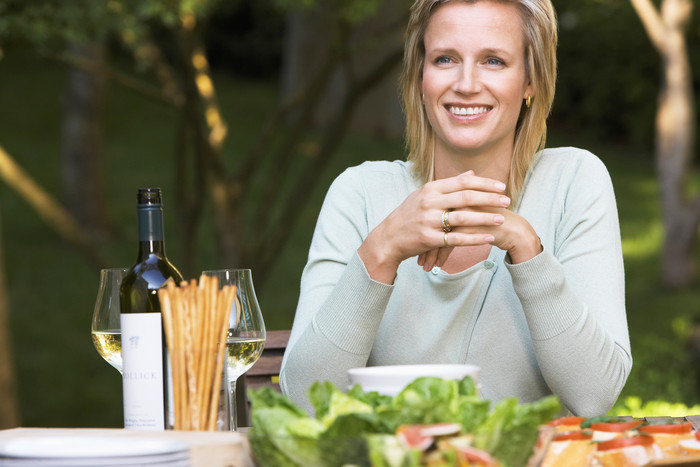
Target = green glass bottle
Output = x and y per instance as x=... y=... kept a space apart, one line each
x=147 y=392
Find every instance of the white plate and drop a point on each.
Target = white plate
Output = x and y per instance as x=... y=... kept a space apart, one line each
x=27 y=462
x=391 y=380
x=77 y=447
x=86 y=461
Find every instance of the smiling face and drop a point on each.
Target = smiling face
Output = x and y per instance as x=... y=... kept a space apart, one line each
x=474 y=79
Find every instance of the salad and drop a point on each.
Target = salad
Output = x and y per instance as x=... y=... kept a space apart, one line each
x=432 y=422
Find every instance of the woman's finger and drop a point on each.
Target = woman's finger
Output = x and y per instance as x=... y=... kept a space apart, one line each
x=443 y=254
x=430 y=259
x=468 y=181
x=471 y=198
x=470 y=218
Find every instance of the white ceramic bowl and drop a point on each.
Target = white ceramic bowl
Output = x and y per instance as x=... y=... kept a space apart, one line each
x=391 y=380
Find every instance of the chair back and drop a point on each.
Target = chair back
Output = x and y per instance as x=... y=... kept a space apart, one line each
x=265 y=372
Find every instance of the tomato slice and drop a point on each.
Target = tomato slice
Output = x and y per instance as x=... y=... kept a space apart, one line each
x=575 y=435
x=412 y=436
x=441 y=429
x=566 y=421
x=668 y=428
x=476 y=455
x=616 y=427
x=619 y=443
x=422 y=436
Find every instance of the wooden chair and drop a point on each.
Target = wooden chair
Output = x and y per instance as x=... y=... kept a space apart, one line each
x=265 y=372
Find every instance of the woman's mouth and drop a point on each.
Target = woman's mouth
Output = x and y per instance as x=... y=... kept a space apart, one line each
x=467 y=111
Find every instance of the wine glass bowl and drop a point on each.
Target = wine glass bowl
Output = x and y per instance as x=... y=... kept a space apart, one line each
x=245 y=339
x=106 y=328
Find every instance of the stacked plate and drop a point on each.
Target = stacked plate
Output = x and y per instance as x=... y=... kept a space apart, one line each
x=94 y=451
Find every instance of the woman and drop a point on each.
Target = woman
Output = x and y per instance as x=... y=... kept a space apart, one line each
x=519 y=266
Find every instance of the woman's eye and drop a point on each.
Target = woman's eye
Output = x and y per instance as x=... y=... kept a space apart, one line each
x=443 y=60
x=495 y=61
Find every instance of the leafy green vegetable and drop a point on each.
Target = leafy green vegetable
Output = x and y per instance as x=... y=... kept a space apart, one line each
x=282 y=433
x=268 y=397
x=342 y=404
x=358 y=428
x=467 y=387
x=599 y=419
x=511 y=430
x=472 y=412
x=387 y=451
x=426 y=400
x=320 y=397
x=372 y=398
x=277 y=442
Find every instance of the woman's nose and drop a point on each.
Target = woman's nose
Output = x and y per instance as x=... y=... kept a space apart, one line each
x=467 y=80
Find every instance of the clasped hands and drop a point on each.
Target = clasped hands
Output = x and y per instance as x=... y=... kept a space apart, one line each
x=464 y=210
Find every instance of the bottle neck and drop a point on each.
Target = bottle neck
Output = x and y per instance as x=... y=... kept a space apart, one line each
x=150 y=224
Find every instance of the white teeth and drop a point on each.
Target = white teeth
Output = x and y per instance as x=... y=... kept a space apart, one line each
x=468 y=110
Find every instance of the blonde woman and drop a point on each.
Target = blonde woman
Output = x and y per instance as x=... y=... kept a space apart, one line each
x=483 y=247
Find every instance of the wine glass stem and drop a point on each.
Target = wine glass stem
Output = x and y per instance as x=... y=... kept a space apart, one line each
x=232 y=403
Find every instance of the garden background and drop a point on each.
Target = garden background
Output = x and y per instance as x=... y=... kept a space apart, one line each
x=609 y=80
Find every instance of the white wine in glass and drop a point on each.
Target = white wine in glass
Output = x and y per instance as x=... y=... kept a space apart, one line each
x=246 y=335
x=106 y=330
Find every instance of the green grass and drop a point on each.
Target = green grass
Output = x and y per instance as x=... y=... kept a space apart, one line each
x=61 y=379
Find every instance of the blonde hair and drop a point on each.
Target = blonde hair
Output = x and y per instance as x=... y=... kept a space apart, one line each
x=540 y=35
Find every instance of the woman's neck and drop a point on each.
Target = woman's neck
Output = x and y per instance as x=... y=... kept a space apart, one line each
x=487 y=164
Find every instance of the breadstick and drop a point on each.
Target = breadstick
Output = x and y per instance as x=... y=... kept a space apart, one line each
x=196 y=322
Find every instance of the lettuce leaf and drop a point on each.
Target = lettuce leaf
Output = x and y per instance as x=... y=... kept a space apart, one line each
x=387 y=451
x=426 y=400
x=276 y=441
x=282 y=434
x=472 y=412
x=510 y=431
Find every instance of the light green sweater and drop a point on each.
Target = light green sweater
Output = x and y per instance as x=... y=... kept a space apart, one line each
x=554 y=324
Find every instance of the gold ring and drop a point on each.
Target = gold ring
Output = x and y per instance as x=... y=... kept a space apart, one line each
x=444 y=239
x=446 y=227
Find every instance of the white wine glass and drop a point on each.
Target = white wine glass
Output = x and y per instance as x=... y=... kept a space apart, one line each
x=246 y=335
x=106 y=330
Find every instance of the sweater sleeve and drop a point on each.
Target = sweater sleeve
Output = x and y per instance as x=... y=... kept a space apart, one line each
x=340 y=306
x=573 y=297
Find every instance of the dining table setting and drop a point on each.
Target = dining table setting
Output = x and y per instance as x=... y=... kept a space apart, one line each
x=181 y=405
x=404 y=415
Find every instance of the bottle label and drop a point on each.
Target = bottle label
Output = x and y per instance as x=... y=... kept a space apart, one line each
x=142 y=355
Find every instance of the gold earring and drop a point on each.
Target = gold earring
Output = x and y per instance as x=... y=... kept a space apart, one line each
x=528 y=101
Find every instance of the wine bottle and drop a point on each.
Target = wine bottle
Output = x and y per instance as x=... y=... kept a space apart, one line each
x=147 y=392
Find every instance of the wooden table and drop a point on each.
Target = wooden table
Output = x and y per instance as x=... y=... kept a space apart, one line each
x=214 y=449
x=207 y=449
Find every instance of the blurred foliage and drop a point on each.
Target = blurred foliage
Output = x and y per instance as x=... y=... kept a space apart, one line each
x=353 y=11
x=51 y=23
x=246 y=38
x=606 y=100
x=633 y=406
x=609 y=72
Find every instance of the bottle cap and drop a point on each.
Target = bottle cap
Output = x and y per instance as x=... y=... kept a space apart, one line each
x=149 y=196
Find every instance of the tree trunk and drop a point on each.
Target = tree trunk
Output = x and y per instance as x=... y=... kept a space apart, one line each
x=9 y=414
x=82 y=178
x=207 y=132
x=675 y=135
